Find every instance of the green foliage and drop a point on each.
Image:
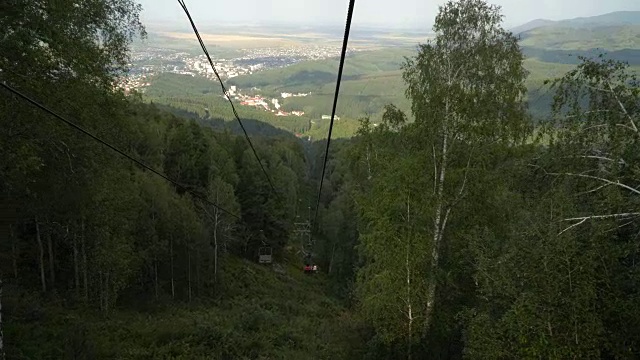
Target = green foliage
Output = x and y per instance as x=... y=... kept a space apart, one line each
x=568 y=221
x=265 y=314
x=93 y=236
x=455 y=232
x=57 y=40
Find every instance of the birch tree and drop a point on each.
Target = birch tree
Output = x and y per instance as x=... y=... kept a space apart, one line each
x=594 y=136
x=392 y=283
x=466 y=89
x=220 y=223
x=563 y=282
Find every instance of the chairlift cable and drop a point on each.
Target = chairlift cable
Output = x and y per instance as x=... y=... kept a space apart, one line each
x=335 y=102
x=224 y=91
x=112 y=147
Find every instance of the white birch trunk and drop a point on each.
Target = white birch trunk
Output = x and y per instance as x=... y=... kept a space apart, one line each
x=408 y=299
x=438 y=229
x=215 y=240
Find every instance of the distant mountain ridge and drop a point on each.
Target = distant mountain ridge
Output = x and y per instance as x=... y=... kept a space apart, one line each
x=615 y=18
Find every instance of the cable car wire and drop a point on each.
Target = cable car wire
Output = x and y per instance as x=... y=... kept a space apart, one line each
x=224 y=90
x=335 y=100
x=103 y=142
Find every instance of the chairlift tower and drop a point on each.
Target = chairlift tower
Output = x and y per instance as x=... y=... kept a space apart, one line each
x=265 y=252
x=303 y=230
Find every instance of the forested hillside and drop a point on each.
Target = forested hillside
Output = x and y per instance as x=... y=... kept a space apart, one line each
x=478 y=234
x=101 y=258
x=457 y=226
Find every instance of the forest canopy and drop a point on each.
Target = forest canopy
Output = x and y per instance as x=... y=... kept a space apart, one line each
x=471 y=232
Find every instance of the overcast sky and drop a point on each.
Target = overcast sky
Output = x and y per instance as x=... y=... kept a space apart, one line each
x=413 y=13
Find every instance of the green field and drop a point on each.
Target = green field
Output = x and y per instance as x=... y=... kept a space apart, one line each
x=313 y=75
x=189 y=45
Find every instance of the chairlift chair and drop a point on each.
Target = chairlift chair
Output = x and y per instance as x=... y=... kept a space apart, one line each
x=265 y=255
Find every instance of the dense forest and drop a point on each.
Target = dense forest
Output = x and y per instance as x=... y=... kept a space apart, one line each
x=470 y=232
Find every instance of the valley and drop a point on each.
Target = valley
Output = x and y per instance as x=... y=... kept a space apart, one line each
x=489 y=213
x=259 y=75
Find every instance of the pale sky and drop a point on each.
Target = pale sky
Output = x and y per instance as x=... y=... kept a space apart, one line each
x=405 y=13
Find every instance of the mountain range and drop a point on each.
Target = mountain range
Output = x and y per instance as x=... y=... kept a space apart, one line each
x=618 y=18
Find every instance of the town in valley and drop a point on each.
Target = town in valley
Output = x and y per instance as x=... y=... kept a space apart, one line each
x=148 y=62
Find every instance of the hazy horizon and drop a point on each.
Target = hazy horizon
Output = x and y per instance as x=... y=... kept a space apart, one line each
x=408 y=14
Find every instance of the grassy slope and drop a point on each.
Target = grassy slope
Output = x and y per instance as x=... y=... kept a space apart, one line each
x=264 y=315
x=314 y=74
x=571 y=38
x=197 y=93
x=190 y=45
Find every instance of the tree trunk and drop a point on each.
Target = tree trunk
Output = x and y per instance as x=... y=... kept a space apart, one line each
x=101 y=291
x=408 y=300
x=43 y=280
x=211 y=290
x=215 y=247
x=189 y=272
x=173 y=289
x=106 y=293
x=155 y=268
x=155 y=257
x=76 y=271
x=198 y=274
x=333 y=251
x=368 y=163
x=85 y=279
x=52 y=273
x=14 y=252
x=438 y=228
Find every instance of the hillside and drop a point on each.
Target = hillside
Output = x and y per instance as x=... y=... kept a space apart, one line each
x=270 y=312
x=531 y=25
x=364 y=92
x=200 y=99
x=610 y=37
x=614 y=18
x=312 y=75
x=611 y=19
x=616 y=34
